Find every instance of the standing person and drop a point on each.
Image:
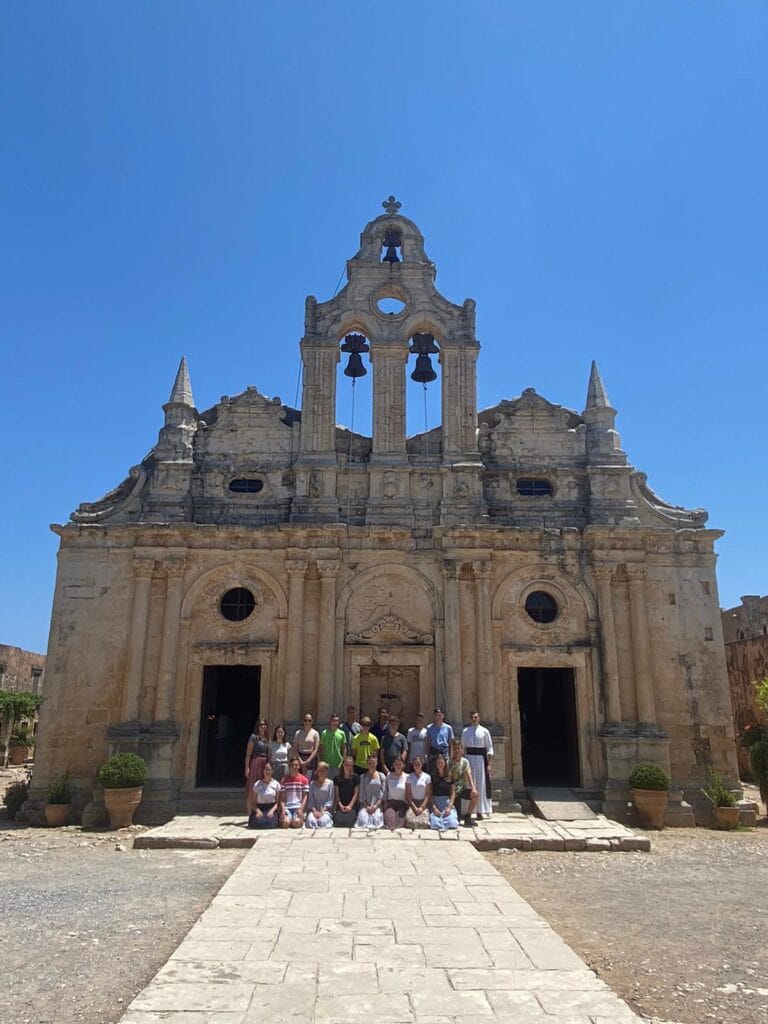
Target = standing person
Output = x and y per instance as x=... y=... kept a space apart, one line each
x=363 y=745
x=382 y=725
x=393 y=745
x=320 y=799
x=279 y=752
x=418 y=793
x=351 y=726
x=478 y=750
x=294 y=792
x=460 y=775
x=417 y=741
x=443 y=814
x=439 y=738
x=333 y=746
x=396 y=803
x=266 y=801
x=370 y=795
x=256 y=756
x=346 y=784
x=306 y=742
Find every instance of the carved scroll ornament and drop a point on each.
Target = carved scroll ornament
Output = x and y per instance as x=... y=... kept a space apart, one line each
x=390 y=629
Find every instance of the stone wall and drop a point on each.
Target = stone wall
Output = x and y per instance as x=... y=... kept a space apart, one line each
x=747 y=662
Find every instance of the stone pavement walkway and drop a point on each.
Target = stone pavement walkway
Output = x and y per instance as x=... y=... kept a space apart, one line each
x=327 y=928
x=503 y=829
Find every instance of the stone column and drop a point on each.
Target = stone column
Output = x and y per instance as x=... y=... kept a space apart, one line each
x=174 y=589
x=296 y=569
x=326 y=638
x=608 y=645
x=389 y=362
x=318 y=402
x=143 y=570
x=452 y=641
x=486 y=684
x=646 y=701
x=459 y=401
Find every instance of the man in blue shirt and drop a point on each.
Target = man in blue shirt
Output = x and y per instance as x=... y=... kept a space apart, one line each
x=439 y=737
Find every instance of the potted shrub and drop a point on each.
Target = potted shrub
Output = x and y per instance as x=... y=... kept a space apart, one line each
x=15 y=797
x=58 y=801
x=122 y=777
x=19 y=746
x=650 y=792
x=724 y=809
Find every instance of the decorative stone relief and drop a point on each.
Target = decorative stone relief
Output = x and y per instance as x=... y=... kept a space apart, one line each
x=390 y=629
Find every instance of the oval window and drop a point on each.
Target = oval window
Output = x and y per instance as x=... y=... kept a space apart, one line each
x=237 y=604
x=541 y=606
x=246 y=485
x=530 y=487
x=391 y=305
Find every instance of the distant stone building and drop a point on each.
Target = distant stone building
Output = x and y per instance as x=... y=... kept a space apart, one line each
x=20 y=671
x=262 y=560
x=745 y=631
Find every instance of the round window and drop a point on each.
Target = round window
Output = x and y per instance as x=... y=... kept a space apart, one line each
x=541 y=606
x=237 y=604
x=391 y=305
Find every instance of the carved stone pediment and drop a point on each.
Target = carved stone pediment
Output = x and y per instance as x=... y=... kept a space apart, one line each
x=390 y=629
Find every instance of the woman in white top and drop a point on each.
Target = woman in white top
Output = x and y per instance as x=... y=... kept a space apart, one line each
x=371 y=796
x=321 y=796
x=279 y=752
x=396 y=803
x=265 y=800
x=418 y=793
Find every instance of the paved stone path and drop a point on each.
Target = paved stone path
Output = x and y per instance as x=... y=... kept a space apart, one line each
x=326 y=928
x=520 y=831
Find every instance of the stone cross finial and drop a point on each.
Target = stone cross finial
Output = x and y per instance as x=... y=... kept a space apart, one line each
x=391 y=206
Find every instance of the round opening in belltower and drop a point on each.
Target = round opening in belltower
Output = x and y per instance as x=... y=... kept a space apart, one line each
x=237 y=604
x=541 y=606
x=390 y=305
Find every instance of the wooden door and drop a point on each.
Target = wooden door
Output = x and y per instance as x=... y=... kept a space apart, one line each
x=395 y=688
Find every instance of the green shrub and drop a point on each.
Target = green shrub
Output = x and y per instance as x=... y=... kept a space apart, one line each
x=717 y=792
x=60 y=790
x=21 y=738
x=647 y=775
x=123 y=771
x=758 y=762
x=15 y=796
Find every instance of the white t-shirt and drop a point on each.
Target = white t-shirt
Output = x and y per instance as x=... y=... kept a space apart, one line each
x=396 y=786
x=418 y=784
x=266 y=792
x=417 y=742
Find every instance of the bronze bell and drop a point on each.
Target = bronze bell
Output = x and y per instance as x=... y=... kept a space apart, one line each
x=391 y=241
x=355 y=345
x=423 y=374
x=423 y=345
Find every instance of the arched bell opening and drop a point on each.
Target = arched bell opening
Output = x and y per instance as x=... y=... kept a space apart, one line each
x=423 y=385
x=353 y=384
x=392 y=246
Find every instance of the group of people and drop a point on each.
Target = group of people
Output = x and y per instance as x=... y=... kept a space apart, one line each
x=358 y=775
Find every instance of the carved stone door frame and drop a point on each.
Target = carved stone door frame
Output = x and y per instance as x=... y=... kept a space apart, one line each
x=356 y=657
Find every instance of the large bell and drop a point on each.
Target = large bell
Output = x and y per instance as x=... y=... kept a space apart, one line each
x=423 y=374
x=355 y=345
x=391 y=241
x=423 y=345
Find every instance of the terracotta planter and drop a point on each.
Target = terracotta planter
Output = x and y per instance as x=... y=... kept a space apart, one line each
x=726 y=817
x=651 y=806
x=17 y=755
x=121 y=804
x=57 y=814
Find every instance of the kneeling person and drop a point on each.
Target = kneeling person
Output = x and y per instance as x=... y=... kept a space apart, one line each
x=294 y=792
x=320 y=799
x=265 y=801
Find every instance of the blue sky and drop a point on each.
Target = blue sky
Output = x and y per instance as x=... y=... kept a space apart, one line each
x=177 y=176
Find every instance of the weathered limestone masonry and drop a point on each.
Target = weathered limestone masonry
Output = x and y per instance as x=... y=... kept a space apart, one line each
x=745 y=630
x=263 y=561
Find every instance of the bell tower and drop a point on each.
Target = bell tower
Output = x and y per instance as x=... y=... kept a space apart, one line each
x=390 y=308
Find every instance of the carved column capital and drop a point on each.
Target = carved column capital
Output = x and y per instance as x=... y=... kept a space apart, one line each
x=450 y=568
x=144 y=568
x=482 y=570
x=296 y=567
x=174 y=569
x=603 y=574
x=328 y=568
x=636 y=573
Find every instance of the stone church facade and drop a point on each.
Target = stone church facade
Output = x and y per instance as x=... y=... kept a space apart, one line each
x=263 y=561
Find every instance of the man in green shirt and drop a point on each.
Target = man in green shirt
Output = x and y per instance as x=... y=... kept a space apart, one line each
x=333 y=746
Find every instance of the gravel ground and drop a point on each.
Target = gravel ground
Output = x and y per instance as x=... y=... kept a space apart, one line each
x=681 y=932
x=84 y=925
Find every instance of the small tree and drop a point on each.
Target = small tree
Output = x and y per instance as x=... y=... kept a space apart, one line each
x=757 y=742
x=14 y=708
